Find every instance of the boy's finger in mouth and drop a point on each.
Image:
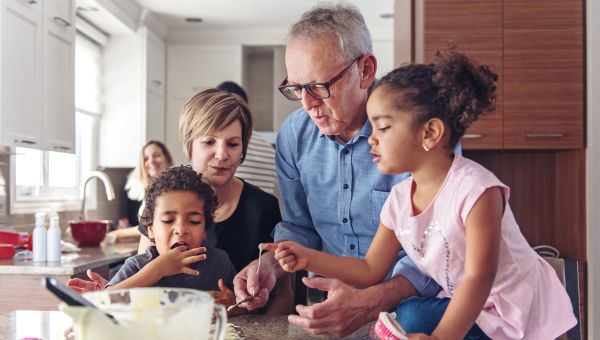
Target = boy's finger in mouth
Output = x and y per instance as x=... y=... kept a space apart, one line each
x=180 y=244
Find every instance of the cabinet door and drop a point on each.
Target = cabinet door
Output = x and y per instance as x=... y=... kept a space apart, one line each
x=155 y=63
x=59 y=11
x=21 y=73
x=155 y=117
x=475 y=27
x=59 y=88
x=543 y=74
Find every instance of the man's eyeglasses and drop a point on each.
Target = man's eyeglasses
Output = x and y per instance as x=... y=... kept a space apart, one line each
x=316 y=90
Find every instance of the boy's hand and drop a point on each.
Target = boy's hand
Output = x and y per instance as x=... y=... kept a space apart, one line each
x=177 y=260
x=224 y=296
x=291 y=256
x=81 y=286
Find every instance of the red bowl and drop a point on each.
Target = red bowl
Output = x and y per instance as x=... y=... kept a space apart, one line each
x=89 y=233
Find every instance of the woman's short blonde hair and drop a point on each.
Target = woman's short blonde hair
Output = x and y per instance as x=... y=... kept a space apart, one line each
x=212 y=110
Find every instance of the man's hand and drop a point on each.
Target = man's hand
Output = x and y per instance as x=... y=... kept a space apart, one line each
x=291 y=256
x=345 y=310
x=247 y=283
x=421 y=336
x=177 y=260
x=81 y=286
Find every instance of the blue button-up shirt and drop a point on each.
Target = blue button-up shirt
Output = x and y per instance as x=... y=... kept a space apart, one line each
x=333 y=194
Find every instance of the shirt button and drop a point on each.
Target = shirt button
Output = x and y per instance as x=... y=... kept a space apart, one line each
x=345 y=186
x=346 y=151
x=344 y=220
x=352 y=246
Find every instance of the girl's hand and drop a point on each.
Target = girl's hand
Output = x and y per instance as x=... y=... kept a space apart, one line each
x=224 y=296
x=421 y=336
x=291 y=256
x=177 y=260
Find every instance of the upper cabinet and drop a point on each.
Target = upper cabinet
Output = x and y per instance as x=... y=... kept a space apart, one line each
x=21 y=73
x=536 y=48
x=543 y=74
x=134 y=113
x=476 y=28
x=37 y=74
x=59 y=76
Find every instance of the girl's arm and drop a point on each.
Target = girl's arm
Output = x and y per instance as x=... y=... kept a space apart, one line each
x=357 y=272
x=483 y=232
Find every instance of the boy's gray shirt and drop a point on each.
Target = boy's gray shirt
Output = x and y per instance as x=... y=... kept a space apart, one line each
x=216 y=266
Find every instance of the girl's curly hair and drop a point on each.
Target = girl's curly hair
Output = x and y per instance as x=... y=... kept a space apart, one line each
x=178 y=178
x=454 y=89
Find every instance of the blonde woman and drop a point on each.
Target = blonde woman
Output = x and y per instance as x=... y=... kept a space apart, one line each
x=214 y=129
x=154 y=159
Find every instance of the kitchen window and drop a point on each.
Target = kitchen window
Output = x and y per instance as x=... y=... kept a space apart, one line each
x=50 y=180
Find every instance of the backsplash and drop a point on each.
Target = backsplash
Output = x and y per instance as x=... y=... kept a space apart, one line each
x=111 y=210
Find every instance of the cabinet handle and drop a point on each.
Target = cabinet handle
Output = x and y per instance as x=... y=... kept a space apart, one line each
x=32 y=2
x=62 y=21
x=62 y=148
x=157 y=82
x=544 y=135
x=25 y=141
x=473 y=135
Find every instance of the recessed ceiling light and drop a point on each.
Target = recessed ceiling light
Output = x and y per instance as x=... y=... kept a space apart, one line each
x=387 y=15
x=194 y=20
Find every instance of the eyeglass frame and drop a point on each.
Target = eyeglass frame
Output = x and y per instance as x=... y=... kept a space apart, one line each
x=326 y=84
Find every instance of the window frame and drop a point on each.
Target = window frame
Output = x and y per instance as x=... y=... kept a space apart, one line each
x=63 y=199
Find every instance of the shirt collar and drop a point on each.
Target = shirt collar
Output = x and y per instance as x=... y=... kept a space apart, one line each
x=365 y=131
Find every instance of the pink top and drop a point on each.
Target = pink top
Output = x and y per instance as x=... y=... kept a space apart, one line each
x=527 y=300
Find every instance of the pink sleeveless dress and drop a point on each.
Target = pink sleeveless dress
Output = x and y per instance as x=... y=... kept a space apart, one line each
x=527 y=300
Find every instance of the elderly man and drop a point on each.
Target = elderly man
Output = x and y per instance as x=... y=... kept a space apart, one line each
x=331 y=190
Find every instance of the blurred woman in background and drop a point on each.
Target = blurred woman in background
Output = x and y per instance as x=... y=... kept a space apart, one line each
x=154 y=158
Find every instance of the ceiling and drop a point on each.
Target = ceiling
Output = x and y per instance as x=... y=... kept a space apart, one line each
x=226 y=14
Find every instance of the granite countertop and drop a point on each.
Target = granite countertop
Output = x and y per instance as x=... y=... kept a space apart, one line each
x=52 y=326
x=72 y=263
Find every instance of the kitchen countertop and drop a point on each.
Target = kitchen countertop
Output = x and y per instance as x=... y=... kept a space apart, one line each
x=72 y=263
x=52 y=325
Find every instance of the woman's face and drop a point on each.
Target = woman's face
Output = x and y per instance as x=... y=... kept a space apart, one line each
x=217 y=154
x=154 y=160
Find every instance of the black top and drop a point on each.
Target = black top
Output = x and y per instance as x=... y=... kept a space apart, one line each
x=251 y=223
x=216 y=266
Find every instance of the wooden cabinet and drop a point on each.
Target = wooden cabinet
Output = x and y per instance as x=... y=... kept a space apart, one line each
x=536 y=48
x=37 y=75
x=476 y=28
x=543 y=74
x=21 y=73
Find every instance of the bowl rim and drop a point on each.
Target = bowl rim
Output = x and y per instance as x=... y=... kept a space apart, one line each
x=89 y=221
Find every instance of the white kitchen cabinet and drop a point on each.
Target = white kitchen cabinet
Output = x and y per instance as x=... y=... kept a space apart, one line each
x=191 y=69
x=59 y=77
x=134 y=66
x=37 y=74
x=21 y=73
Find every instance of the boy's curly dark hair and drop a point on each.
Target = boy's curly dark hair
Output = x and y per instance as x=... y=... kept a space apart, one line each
x=178 y=178
x=454 y=89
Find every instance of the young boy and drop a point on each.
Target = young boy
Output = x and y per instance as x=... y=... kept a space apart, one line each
x=178 y=211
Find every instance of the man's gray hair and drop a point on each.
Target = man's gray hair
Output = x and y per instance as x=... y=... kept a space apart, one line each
x=342 y=19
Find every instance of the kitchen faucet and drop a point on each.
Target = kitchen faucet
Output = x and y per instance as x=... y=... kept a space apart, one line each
x=110 y=192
